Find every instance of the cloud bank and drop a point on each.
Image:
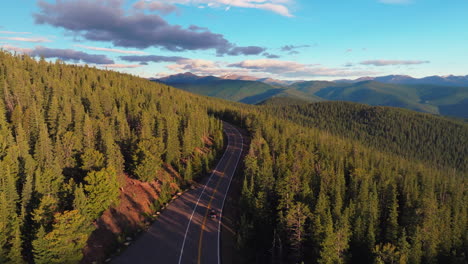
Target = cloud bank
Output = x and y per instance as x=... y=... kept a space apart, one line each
x=144 y=60
x=276 y=6
x=70 y=55
x=33 y=40
x=106 y=21
x=393 y=62
x=62 y=54
x=136 y=52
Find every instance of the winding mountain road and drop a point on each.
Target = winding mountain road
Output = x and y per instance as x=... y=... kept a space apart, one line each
x=185 y=232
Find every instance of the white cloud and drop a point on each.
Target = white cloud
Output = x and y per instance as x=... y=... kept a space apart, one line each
x=13 y=32
x=35 y=40
x=17 y=49
x=203 y=68
x=162 y=7
x=296 y=70
x=120 y=66
x=277 y=6
x=111 y=50
x=392 y=62
x=193 y=65
x=263 y=68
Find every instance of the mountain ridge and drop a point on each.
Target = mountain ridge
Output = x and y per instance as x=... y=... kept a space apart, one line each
x=390 y=90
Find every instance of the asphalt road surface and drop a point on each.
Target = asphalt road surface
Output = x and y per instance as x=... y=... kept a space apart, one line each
x=185 y=231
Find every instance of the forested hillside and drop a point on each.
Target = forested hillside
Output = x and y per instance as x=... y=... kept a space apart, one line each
x=443 y=100
x=244 y=91
x=423 y=98
x=69 y=136
x=437 y=140
x=312 y=197
x=323 y=183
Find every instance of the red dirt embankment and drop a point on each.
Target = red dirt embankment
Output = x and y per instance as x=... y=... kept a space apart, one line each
x=130 y=216
x=133 y=214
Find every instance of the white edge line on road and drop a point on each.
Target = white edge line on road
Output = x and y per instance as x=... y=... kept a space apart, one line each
x=201 y=194
x=225 y=195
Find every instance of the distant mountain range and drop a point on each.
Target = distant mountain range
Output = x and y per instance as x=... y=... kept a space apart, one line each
x=190 y=77
x=234 y=88
x=270 y=81
x=451 y=80
x=435 y=94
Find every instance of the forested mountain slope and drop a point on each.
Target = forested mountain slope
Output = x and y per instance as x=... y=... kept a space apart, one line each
x=311 y=193
x=244 y=91
x=70 y=135
x=283 y=101
x=437 y=140
x=434 y=99
x=443 y=100
x=309 y=196
x=450 y=80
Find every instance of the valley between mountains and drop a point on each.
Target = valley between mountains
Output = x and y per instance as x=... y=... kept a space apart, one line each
x=447 y=96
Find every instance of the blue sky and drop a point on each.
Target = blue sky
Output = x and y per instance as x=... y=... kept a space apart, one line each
x=286 y=39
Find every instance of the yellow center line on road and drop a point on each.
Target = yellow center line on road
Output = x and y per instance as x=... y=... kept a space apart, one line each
x=200 y=241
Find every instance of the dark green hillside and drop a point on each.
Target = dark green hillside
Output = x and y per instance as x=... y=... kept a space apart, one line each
x=312 y=87
x=326 y=182
x=423 y=98
x=443 y=100
x=374 y=93
x=250 y=92
x=70 y=135
x=283 y=101
x=410 y=134
x=313 y=197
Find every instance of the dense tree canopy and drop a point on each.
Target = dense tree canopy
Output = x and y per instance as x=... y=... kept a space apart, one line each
x=425 y=137
x=323 y=183
x=313 y=197
x=68 y=135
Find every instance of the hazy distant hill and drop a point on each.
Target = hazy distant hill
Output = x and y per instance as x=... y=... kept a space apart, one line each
x=435 y=99
x=270 y=81
x=245 y=91
x=443 y=100
x=451 y=80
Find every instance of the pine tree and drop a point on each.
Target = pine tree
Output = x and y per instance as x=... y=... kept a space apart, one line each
x=172 y=155
x=147 y=159
x=16 y=249
x=65 y=242
x=92 y=159
x=296 y=219
x=391 y=234
x=328 y=254
x=5 y=134
x=112 y=151
x=42 y=254
x=43 y=151
x=188 y=171
x=80 y=202
x=102 y=191
x=44 y=214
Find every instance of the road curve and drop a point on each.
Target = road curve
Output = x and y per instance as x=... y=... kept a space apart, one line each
x=184 y=232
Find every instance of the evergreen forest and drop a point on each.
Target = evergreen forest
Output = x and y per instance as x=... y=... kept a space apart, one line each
x=321 y=183
x=69 y=135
